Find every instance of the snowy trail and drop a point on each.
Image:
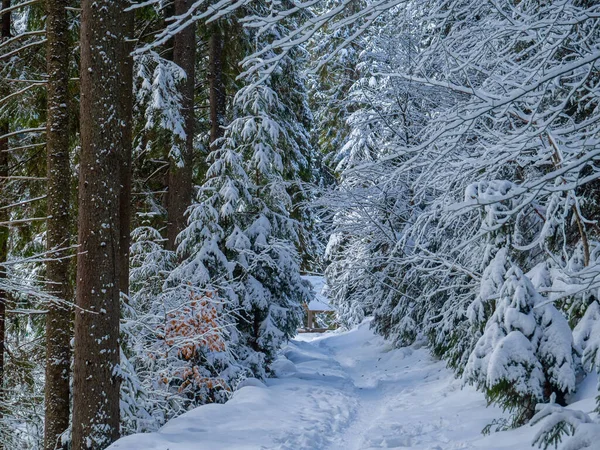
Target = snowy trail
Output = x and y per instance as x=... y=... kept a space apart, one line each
x=404 y=398
x=342 y=391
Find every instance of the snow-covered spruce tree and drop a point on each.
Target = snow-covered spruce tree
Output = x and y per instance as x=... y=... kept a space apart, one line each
x=158 y=99
x=526 y=351
x=240 y=242
x=464 y=312
x=564 y=428
x=467 y=306
x=561 y=427
x=158 y=133
x=239 y=246
x=301 y=162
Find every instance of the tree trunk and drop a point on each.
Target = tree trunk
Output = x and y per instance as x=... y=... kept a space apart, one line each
x=179 y=195
x=6 y=23
x=3 y=255
x=127 y=105
x=217 y=98
x=96 y=387
x=6 y=20
x=58 y=319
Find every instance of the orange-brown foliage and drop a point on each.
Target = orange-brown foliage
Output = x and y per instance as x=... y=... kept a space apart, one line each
x=191 y=331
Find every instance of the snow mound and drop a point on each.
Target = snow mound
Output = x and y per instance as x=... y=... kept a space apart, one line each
x=283 y=368
x=254 y=382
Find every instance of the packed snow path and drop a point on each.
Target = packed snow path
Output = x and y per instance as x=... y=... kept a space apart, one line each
x=342 y=391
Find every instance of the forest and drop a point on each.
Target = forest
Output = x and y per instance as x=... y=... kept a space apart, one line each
x=171 y=171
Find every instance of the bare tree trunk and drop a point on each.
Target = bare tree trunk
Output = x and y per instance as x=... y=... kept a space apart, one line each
x=127 y=105
x=3 y=258
x=58 y=319
x=217 y=98
x=96 y=387
x=6 y=23
x=179 y=195
x=6 y=20
x=3 y=253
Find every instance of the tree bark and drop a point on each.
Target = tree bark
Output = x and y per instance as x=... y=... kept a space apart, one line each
x=127 y=105
x=96 y=387
x=217 y=94
x=6 y=24
x=179 y=195
x=6 y=20
x=3 y=256
x=58 y=319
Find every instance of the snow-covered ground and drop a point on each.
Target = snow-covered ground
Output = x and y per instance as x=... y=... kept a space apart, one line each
x=346 y=391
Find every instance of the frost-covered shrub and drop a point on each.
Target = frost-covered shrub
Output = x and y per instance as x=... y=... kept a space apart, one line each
x=192 y=341
x=175 y=339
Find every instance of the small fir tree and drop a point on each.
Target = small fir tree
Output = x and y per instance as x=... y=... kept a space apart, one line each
x=526 y=351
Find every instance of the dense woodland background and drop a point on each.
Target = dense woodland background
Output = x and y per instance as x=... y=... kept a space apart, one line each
x=169 y=169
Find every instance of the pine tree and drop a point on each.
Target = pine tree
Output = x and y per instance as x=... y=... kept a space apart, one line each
x=181 y=155
x=126 y=103
x=96 y=385
x=526 y=351
x=240 y=238
x=216 y=76
x=4 y=234
x=58 y=319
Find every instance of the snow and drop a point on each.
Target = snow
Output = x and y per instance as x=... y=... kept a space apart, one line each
x=513 y=359
x=587 y=336
x=344 y=391
x=320 y=302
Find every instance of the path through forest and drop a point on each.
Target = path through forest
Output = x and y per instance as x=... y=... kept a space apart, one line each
x=403 y=398
x=342 y=391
